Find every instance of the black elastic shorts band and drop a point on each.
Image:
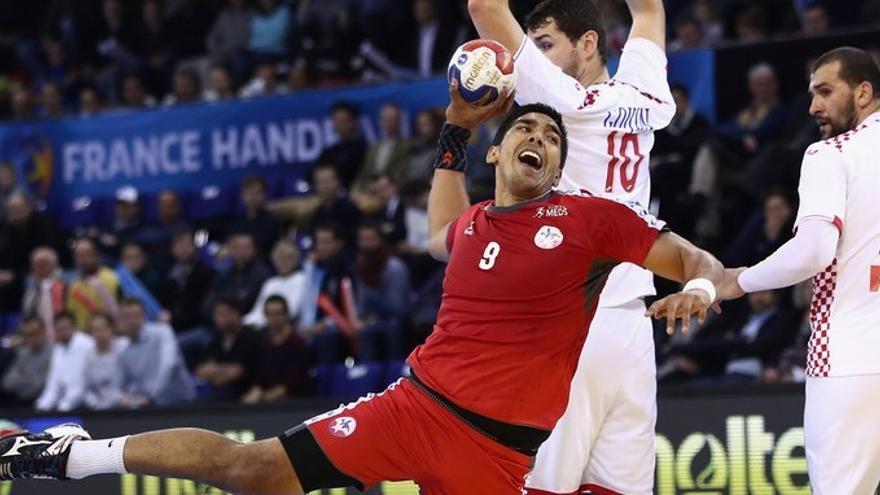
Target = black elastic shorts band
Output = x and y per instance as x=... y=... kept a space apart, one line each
x=311 y=464
x=523 y=439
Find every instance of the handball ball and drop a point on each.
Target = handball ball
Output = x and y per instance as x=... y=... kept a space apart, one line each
x=482 y=67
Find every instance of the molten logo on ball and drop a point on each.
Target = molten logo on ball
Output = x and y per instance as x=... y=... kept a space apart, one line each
x=482 y=67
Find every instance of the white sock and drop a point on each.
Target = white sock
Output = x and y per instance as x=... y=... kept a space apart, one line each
x=90 y=457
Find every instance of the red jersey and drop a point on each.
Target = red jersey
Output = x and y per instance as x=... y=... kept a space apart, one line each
x=521 y=288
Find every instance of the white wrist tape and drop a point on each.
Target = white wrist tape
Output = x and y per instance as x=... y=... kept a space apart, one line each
x=702 y=284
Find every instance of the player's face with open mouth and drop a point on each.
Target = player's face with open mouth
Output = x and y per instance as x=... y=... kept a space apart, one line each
x=833 y=104
x=528 y=158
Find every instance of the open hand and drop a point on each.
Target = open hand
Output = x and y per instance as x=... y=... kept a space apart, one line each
x=682 y=305
x=470 y=115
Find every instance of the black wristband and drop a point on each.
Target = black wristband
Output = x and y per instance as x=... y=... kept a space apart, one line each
x=452 y=148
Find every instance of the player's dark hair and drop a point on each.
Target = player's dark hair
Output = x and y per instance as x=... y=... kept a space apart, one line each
x=856 y=67
x=574 y=18
x=541 y=108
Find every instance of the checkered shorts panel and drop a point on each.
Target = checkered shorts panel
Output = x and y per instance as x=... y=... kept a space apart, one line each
x=819 y=355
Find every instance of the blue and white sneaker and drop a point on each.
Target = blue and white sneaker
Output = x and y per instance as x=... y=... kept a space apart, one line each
x=25 y=455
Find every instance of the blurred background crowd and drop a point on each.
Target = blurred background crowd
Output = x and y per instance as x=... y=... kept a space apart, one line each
x=155 y=303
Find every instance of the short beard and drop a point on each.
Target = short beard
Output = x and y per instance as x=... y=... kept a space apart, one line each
x=847 y=122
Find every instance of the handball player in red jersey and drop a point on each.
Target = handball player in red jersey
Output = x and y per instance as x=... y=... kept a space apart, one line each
x=523 y=280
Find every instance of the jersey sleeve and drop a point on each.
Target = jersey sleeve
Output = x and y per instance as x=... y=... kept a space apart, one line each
x=538 y=80
x=822 y=187
x=643 y=66
x=626 y=231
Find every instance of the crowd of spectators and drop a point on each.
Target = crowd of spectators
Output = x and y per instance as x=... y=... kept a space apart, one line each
x=138 y=311
x=84 y=57
x=164 y=309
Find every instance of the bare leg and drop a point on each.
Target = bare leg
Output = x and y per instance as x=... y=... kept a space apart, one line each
x=259 y=468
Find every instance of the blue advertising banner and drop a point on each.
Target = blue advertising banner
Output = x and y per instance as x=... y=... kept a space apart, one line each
x=189 y=148
x=193 y=146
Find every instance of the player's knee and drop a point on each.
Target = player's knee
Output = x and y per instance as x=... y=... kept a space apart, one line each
x=257 y=468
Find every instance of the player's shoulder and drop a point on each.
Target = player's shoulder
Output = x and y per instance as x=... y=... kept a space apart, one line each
x=863 y=134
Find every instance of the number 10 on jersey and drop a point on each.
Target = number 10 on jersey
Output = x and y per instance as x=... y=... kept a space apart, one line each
x=623 y=152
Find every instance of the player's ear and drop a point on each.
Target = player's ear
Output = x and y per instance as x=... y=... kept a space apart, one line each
x=589 y=43
x=493 y=155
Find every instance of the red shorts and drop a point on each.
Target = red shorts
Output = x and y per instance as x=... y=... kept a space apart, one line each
x=402 y=434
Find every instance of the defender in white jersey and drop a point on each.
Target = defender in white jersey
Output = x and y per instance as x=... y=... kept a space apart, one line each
x=837 y=242
x=605 y=440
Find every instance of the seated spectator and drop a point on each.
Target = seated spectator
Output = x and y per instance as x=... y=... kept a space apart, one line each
x=153 y=370
x=386 y=155
x=185 y=88
x=187 y=26
x=134 y=96
x=816 y=20
x=288 y=283
x=270 y=25
x=169 y=209
x=127 y=224
x=327 y=315
x=139 y=280
x=264 y=82
x=94 y=287
x=423 y=145
x=431 y=42
x=187 y=285
x=328 y=39
x=103 y=371
x=23 y=104
x=347 y=154
x=153 y=46
x=672 y=161
x=233 y=355
x=334 y=206
x=767 y=230
x=246 y=276
x=23 y=230
x=284 y=358
x=688 y=35
x=382 y=286
x=737 y=352
x=45 y=291
x=8 y=183
x=256 y=219
x=51 y=101
x=90 y=102
x=25 y=378
x=719 y=164
x=383 y=207
x=65 y=386
x=221 y=85
x=230 y=34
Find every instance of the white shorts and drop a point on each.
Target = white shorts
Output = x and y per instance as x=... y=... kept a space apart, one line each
x=842 y=434
x=606 y=436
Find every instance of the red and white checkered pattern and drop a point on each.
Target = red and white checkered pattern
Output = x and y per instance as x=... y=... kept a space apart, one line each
x=819 y=356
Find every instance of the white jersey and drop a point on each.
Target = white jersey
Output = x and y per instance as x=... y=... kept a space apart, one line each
x=610 y=134
x=840 y=182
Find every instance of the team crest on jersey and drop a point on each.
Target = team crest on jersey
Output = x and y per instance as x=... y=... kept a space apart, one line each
x=343 y=426
x=548 y=237
x=551 y=211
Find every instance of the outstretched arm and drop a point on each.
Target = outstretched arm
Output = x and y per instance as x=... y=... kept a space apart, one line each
x=448 y=198
x=675 y=258
x=649 y=21
x=494 y=20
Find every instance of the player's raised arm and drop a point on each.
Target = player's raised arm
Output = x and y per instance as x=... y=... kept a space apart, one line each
x=494 y=20
x=448 y=198
x=649 y=21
